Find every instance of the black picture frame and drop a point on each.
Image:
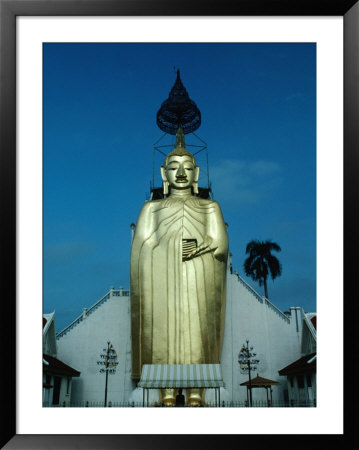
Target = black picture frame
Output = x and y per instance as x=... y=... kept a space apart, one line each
x=9 y=10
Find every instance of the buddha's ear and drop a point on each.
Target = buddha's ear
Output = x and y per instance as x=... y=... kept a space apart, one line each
x=163 y=174
x=165 y=182
x=195 y=181
x=196 y=174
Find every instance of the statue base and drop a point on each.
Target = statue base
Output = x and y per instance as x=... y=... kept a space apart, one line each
x=167 y=397
x=193 y=397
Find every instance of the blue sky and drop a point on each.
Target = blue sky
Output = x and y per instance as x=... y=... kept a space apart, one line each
x=258 y=106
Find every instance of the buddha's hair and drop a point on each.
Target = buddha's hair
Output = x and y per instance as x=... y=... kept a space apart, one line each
x=179 y=151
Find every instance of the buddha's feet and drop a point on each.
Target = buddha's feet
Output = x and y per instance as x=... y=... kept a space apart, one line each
x=168 y=397
x=195 y=397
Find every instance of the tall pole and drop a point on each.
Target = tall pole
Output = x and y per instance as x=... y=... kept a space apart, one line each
x=248 y=363
x=106 y=388
x=109 y=361
x=106 y=365
x=249 y=376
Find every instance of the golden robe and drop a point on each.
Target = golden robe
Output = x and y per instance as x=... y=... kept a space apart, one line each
x=178 y=303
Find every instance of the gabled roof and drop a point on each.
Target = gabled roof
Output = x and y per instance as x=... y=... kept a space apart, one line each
x=259 y=382
x=309 y=333
x=47 y=320
x=305 y=365
x=56 y=367
x=311 y=322
x=314 y=321
x=49 y=334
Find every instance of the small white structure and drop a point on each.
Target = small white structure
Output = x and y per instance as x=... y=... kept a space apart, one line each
x=57 y=376
x=302 y=373
x=275 y=336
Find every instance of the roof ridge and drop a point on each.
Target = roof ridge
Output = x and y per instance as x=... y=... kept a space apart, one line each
x=262 y=298
x=80 y=318
x=87 y=311
x=50 y=318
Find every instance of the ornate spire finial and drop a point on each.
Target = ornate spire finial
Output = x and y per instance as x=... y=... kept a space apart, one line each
x=180 y=138
x=178 y=110
x=180 y=149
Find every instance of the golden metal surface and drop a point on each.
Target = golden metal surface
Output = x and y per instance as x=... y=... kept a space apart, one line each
x=168 y=396
x=193 y=397
x=178 y=273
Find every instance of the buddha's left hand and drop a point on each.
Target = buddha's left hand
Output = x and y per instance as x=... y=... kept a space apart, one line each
x=205 y=247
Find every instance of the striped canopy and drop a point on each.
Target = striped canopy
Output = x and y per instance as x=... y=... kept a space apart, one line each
x=160 y=376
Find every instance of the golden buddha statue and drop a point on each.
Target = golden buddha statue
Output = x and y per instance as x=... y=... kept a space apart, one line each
x=178 y=275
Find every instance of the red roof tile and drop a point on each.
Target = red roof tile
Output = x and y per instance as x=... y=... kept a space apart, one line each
x=259 y=382
x=57 y=367
x=301 y=366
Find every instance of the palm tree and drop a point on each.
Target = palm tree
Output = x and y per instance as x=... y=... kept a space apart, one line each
x=261 y=262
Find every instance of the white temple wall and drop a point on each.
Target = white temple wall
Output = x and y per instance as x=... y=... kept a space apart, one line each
x=82 y=345
x=275 y=339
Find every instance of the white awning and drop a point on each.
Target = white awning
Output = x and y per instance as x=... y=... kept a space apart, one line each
x=160 y=376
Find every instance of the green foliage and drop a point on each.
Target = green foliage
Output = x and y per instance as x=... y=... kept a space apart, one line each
x=261 y=263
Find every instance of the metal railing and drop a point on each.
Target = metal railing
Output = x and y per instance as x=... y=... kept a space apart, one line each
x=224 y=404
x=87 y=312
x=261 y=299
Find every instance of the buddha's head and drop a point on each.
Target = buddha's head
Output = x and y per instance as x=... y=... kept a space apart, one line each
x=180 y=170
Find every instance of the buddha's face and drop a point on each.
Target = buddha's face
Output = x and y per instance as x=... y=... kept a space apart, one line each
x=180 y=171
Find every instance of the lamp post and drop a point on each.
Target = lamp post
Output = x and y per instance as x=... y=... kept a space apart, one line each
x=109 y=361
x=247 y=363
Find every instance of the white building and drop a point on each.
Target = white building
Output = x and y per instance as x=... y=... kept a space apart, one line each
x=275 y=336
x=302 y=373
x=84 y=341
x=57 y=376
